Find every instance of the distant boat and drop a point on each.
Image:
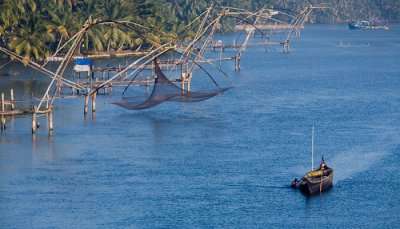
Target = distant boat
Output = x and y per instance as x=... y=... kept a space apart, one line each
x=366 y=25
x=317 y=180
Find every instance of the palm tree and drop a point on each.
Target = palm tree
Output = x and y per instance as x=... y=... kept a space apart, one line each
x=114 y=36
x=61 y=21
x=24 y=32
x=31 y=41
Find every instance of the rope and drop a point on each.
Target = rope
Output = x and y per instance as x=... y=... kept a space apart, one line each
x=2 y=66
x=208 y=74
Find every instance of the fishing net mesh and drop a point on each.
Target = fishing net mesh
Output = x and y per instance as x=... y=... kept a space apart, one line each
x=164 y=90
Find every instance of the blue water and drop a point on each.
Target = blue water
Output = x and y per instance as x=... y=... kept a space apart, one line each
x=226 y=162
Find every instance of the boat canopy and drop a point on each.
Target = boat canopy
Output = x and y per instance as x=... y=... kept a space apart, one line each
x=315 y=173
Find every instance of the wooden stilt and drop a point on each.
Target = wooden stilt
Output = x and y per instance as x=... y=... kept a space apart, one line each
x=3 y=120
x=2 y=102
x=286 y=46
x=12 y=99
x=94 y=116
x=237 y=62
x=183 y=79
x=189 y=81
x=85 y=108
x=3 y=123
x=34 y=121
x=50 y=120
x=59 y=87
x=94 y=102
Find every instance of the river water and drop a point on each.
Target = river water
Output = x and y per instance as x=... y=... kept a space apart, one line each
x=226 y=162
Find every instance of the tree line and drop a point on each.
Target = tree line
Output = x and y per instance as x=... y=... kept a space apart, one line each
x=35 y=28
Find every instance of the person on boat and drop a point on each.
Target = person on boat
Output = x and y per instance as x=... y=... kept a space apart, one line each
x=322 y=166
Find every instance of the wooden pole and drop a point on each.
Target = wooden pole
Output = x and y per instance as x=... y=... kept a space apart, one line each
x=72 y=91
x=237 y=62
x=2 y=102
x=189 y=80
x=3 y=120
x=50 y=120
x=183 y=79
x=47 y=102
x=312 y=149
x=34 y=120
x=94 y=102
x=3 y=123
x=94 y=116
x=220 y=58
x=12 y=99
x=286 y=46
x=59 y=87
x=85 y=108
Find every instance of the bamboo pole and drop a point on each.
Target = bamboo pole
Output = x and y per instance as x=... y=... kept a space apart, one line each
x=249 y=34
x=152 y=55
x=39 y=68
x=199 y=34
x=47 y=103
x=58 y=87
x=61 y=68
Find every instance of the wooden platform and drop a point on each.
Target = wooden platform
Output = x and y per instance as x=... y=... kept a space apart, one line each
x=15 y=112
x=228 y=46
x=102 y=55
x=247 y=27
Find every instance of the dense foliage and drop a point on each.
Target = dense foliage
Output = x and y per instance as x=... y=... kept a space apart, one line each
x=35 y=28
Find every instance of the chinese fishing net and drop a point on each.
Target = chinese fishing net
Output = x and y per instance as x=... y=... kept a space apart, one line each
x=166 y=91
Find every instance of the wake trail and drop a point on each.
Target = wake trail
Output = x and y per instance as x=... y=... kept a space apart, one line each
x=361 y=158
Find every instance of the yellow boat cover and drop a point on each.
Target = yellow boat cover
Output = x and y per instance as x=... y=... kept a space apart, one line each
x=315 y=173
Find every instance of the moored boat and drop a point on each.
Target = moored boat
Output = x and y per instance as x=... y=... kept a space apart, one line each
x=367 y=25
x=355 y=25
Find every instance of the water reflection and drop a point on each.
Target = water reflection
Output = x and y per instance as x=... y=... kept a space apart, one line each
x=183 y=125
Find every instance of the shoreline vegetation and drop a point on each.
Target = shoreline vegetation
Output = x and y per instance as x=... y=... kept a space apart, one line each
x=34 y=29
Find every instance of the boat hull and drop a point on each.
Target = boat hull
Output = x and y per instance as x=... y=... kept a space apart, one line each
x=353 y=26
x=358 y=26
x=316 y=185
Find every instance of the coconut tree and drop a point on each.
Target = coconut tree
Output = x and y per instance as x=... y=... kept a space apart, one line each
x=24 y=29
x=61 y=21
x=31 y=41
x=114 y=36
